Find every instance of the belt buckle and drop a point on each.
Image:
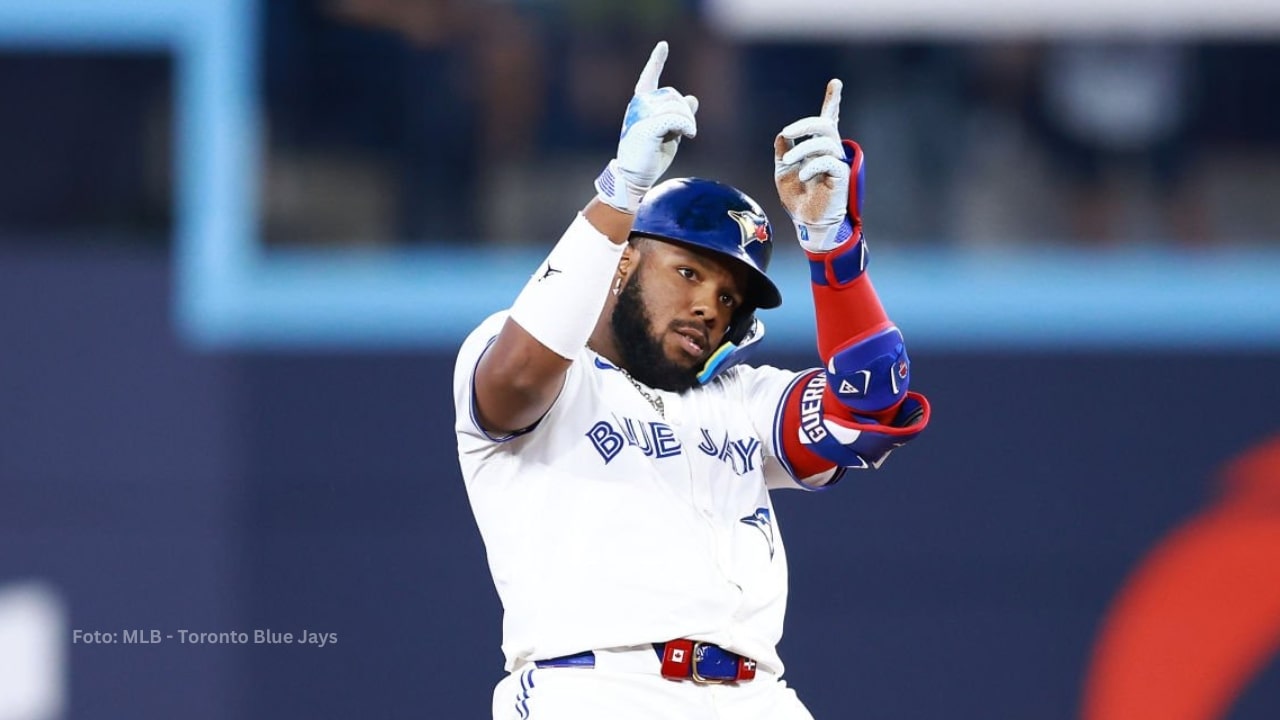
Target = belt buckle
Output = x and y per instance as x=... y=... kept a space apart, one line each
x=693 y=668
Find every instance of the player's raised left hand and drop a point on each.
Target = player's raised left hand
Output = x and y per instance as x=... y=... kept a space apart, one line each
x=812 y=171
x=656 y=120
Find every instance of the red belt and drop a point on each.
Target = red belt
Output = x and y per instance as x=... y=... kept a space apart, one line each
x=703 y=663
x=700 y=662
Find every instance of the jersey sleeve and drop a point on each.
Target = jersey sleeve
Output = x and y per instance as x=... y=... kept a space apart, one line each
x=771 y=396
x=466 y=421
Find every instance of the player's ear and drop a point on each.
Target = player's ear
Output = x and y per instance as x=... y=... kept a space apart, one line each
x=628 y=259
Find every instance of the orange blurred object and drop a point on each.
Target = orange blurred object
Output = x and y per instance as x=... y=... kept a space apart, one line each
x=1200 y=617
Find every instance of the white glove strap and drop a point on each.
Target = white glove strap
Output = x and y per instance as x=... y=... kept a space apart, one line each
x=818 y=239
x=561 y=302
x=614 y=190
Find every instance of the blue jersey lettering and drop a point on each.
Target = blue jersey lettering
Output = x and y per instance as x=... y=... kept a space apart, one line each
x=654 y=439
x=607 y=441
x=746 y=450
x=636 y=435
x=737 y=454
x=665 y=441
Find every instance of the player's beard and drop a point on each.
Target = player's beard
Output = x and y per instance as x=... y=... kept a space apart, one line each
x=642 y=352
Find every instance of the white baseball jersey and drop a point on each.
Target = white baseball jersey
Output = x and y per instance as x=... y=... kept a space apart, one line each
x=609 y=525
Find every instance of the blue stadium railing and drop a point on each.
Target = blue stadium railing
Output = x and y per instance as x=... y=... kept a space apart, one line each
x=232 y=292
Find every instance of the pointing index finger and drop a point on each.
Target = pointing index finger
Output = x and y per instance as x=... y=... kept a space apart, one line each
x=648 y=81
x=831 y=103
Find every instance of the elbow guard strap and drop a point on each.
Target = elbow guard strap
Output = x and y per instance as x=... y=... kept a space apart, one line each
x=840 y=437
x=872 y=375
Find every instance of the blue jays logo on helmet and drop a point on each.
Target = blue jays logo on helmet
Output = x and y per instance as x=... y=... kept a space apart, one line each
x=755 y=227
x=717 y=217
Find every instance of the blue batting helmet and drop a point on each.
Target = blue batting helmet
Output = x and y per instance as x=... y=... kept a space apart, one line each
x=715 y=216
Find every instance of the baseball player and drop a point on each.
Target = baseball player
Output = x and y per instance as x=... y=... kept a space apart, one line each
x=618 y=455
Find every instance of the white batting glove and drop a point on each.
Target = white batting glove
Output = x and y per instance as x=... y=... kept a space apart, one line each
x=656 y=120
x=811 y=172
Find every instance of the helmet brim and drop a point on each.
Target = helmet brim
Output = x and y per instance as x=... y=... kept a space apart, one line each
x=760 y=292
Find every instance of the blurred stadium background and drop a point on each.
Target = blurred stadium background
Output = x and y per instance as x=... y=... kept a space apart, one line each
x=240 y=241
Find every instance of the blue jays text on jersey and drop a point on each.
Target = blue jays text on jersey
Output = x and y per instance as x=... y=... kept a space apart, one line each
x=658 y=440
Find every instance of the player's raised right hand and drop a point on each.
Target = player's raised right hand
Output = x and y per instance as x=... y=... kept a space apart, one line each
x=812 y=170
x=656 y=120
